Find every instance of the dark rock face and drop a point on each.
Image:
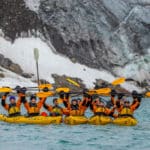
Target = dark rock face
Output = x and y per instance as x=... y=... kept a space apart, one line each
x=16 y=19
x=60 y=81
x=98 y=33
x=26 y=75
x=8 y=64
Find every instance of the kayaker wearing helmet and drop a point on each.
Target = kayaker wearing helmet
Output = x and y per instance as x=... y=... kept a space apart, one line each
x=124 y=108
x=127 y=110
x=33 y=107
x=55 y=110
x=76 y=107
x=13 y=107
x=98 y=107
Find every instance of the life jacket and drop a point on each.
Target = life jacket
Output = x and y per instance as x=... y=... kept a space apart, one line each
x=33 y=109
x=56 y=111
x=126 y=111
x=75 y=110
x=100 y=111
x=13 y=110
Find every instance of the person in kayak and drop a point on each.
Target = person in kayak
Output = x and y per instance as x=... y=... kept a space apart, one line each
x=128 y=110
x=112 y=100
x=33 y=107
x=13 y=107
x=118 y=104
x=55 y=110
x=136 y=99
x=98 y=107
x=76 y=107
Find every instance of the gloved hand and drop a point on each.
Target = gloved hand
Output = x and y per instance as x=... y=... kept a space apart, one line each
x=134 y=94
x=113 y=93
x=61 y=95
x=23 y=90
x=85 y=91
x=17 y=88
x=67 y=95
x=45 y=89
x=139 y=97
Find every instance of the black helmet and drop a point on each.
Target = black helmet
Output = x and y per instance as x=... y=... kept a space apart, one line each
x=134 y=94
x=33 y=97
x=120 y=95
x=74 y=100
x=113 y=92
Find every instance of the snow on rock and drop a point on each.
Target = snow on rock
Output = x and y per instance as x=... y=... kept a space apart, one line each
x=138 y=69
x=21 y=52
x=33 y=4
x=12 y=80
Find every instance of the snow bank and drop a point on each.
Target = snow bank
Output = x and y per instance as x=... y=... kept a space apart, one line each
x=21 y=52
x=12 y=80
x=33 y=4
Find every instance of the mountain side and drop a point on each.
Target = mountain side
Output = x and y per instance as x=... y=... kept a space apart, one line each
x=103 y=34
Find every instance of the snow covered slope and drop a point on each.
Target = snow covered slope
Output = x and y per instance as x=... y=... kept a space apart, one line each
x=12 y=80
x=21 y=52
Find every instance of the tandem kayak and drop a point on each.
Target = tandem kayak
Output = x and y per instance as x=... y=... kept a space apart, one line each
x=75 y=120
x=100 y=120
x=42 y=120
x=125 y=121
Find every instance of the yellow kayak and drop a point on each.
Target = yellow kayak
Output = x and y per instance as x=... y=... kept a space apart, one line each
x=32 y=120
x=125 y=121
x=100 y=120
x=75 y=120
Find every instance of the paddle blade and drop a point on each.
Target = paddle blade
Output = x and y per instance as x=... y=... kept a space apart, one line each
x=5 y=90
x=73 y=82
x=62 y=89
x=147 y=94
x=42 y=86
x=100 y=91
x=44 y=94
x=118 y=81
x=36 y=54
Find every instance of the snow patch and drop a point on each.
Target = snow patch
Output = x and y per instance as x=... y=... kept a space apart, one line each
x=138 y=70
x=33 y=4
x=21 y=52
x=12 y=80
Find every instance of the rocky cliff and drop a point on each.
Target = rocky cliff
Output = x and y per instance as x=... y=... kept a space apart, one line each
x=103 y=34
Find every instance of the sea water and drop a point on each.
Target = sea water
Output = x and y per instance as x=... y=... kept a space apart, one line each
x=79 y=137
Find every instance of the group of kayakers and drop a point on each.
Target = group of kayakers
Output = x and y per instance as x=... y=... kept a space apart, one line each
x=116 y=107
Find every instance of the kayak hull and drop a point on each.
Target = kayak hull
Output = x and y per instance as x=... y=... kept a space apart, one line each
x=75 y=120
x=125 y=121
x=100 y=120
x=31 y=120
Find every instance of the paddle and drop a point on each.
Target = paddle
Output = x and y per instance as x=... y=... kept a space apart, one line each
x=62 y=89
x=44 y=94
x=42 y=86
x=100 y=91
x=118 y=81
x=36 y=58
x=147 y=94
x=5 y=89
x=73 y=82
x=8 y=89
